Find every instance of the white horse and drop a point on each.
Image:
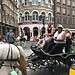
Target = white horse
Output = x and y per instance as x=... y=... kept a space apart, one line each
x=8 y=52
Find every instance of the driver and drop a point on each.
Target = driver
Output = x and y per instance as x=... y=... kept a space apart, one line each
x=59 y=40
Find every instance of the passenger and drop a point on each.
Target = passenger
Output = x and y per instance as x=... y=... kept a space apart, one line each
x=68 y=40
x=44 y=42
x=50 y=30
x=47 y=40
x=59 y=41
x=48 y=43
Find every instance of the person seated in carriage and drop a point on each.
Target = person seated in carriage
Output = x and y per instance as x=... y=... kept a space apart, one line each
x=58 y=40
x=56 y=43
x=61 y=39
x=68 y=40
x=50 y=30
x=46 y=37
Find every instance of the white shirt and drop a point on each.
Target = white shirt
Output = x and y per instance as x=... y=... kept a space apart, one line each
x=60 y=36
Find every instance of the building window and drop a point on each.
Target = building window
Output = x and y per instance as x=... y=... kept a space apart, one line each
x=35 y=15
x=58 y=0
x=43 y=15
x=64 y=20
x=58 y=9
x=20 y=17
x=34 y=2
x=68 y=20
x=26 y=16
x=35 y=31
x=73 y=12
x=0 y=17
x=26 y=2
x=0 y=7
x=49 y=17
x=63 y=10
x=73 y=20
x=42 y=2
x=68 y=2
x=64 y=1
x=58 y=20
x=73 y=3
x=68 y=10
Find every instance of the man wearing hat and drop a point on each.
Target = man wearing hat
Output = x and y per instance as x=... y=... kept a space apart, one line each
x=59 y=31
x=59 y=40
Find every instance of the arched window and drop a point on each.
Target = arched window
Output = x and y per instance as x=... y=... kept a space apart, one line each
x=26 y=16
x=35 y=31
x=43 y=30
x=35 y=15
x=26 y=2
x=49 y=17
x=34 y=2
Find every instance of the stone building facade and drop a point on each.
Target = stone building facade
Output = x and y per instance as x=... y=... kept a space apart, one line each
x=65 y=13
x=8 y=16
x=35 y=14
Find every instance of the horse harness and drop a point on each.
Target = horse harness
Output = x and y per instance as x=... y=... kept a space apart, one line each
x=7 y=58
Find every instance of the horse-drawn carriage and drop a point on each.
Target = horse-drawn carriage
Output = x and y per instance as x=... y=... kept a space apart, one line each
x=41 y=59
